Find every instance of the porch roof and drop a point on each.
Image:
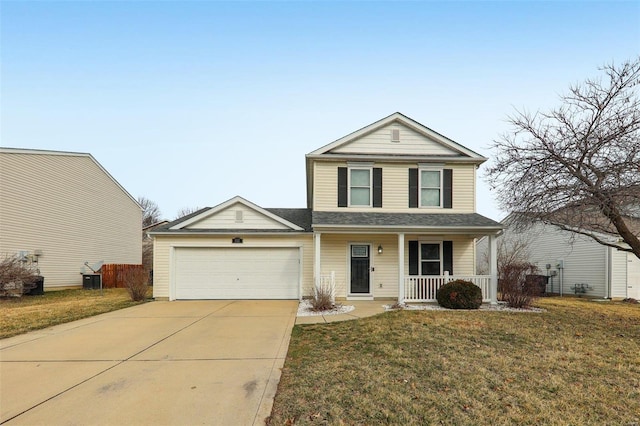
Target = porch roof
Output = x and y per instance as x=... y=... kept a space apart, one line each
x=407 y=222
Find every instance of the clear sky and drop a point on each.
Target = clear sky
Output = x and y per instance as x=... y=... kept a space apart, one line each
x=192 y=102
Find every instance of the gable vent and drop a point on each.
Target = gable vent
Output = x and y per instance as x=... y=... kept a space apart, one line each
x=395 y=135
x=239 y=216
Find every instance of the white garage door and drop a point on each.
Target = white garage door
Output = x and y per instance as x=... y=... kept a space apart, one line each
x=237 y=273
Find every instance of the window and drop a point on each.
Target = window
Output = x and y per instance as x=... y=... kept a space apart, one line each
x=360 y=187
x=430 y=188
x=430 y=260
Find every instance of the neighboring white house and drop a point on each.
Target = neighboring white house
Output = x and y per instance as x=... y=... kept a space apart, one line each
x=575 y=264
x=59 y=210
x=391 y=214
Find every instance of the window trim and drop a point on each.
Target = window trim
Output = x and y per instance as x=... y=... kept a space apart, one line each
x=370 y=170
x=440 y=256
x=440 y=171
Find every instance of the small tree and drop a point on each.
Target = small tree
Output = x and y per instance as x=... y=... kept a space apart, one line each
x=511 y=247
x=137 y=283
x=513 y=285
x=16 y=276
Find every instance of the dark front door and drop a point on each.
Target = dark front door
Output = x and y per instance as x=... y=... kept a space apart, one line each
x=360 y=265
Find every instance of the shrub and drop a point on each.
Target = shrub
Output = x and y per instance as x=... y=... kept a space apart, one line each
x=137 y=283
x=514 y=287
x=322 y=299
x=459 y=294
x=16 y=277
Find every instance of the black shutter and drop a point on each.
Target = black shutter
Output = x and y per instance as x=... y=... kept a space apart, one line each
x=447 y=196
x=413 y=187
x=342 y=187
x=377 y=187
x=413 y=258
x=447 y=256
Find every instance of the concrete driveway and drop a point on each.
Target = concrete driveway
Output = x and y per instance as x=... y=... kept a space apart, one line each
x=161 y=363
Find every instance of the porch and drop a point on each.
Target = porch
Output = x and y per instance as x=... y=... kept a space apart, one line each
x=421 y=288
x=407 y=267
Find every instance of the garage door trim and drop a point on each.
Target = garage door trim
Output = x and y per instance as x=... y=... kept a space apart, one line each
x=173 y=266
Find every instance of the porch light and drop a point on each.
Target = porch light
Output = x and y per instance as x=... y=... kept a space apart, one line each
x=379 y=249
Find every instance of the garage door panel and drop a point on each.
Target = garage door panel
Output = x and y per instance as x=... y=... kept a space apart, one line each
x=237 y=273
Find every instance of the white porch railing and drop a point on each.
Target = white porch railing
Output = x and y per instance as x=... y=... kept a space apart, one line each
x=327 y=284
x=422 y=288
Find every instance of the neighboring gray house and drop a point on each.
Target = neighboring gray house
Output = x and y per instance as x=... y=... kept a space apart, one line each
x=576 y=264
x=61 y=209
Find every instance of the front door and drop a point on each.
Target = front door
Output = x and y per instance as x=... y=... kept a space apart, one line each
x=360 y=266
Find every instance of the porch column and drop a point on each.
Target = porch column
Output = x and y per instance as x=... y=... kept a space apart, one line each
x=316 y=259
x=493 y=269
x=400 y=268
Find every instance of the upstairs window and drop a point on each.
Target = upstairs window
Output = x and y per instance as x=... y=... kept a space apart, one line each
x=360 y=187
x=430 y=188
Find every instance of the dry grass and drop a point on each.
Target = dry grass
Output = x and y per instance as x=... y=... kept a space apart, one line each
x=576 y=363
x=19 y=315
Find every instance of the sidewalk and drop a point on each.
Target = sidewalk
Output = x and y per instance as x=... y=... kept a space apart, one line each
x=362 y=309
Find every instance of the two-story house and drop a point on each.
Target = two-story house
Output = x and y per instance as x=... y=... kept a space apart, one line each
x=391 y=214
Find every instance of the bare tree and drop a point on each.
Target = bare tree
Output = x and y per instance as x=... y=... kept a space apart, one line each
x=150 y=211
x=512 y=248
x=577 y=166
x=186 y=211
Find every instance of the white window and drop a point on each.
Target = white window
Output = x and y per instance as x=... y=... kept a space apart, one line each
x=430 y=259
x=360 y=187
x=430 y=188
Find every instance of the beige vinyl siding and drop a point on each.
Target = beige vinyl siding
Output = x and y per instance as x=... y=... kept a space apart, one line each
x=395 y=188
x=463 y=251
x=70 y=209
x=336 y=257
x=226 y=219
x=163 y=244
x=379 y=142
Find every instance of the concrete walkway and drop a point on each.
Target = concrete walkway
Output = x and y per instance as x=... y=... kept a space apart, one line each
x=161 y=363
x=363 y=308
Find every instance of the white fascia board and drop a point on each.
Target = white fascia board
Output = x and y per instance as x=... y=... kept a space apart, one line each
x=485 y=230
x=395 y=158
x=239 y=232
x=236 y=200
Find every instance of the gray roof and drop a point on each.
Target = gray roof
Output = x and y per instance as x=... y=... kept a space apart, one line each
x=410 y=220
x=300 y=217
x=307 y=220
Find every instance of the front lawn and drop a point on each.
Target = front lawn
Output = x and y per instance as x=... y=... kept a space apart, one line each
x=21 y=314
x=576 y=363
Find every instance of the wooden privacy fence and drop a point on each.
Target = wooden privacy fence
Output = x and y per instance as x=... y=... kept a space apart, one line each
x=113 y=275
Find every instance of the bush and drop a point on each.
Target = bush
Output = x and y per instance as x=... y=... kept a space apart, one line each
x=322 y=299
x=514 y=287
x=16 y=277
x=137 y=283
x=459 y=294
